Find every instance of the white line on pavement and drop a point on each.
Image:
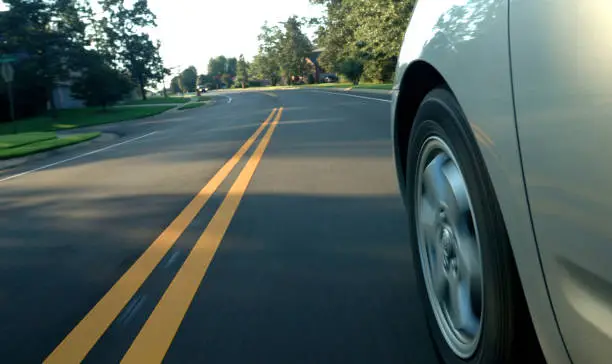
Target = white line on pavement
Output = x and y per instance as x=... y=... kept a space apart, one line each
x=351 y=95
x=75 y=157
x=229 y=99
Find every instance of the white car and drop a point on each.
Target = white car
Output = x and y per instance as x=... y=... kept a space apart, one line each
x=502 y=124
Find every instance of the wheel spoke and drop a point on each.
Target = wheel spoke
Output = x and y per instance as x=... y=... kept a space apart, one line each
x=435 y=187
x=468 y=259
x=460 y=309
x=427 y=220
x=457 y=200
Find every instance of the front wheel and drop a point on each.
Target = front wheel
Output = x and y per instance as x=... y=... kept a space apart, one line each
x=474 y=304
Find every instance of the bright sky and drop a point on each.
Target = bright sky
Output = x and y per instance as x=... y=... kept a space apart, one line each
x=193 y=31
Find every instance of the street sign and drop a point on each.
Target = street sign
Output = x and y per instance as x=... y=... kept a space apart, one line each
x=8 y=73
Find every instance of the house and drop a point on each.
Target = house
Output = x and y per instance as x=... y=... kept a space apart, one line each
x=313 y=60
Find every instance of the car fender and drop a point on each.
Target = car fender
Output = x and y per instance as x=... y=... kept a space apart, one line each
x=466 y=43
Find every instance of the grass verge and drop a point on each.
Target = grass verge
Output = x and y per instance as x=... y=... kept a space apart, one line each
x=158 y=100
x=17 y=140
x=374 y=86
x=77 y=118
x=45 y=145
x=193 y=105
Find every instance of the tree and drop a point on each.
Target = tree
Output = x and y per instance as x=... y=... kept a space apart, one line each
x=100 y=84
x=369 y=30
x=175 y=86
x=121 y=38
x=232 y=66
x=188 y=79
x=227 y=79
x=205 y=80
x=50 y=35
x=266 y=67
x=352 y=69
x=217 y=66
x=294 y=47
x=242 y=72
x=266 y=63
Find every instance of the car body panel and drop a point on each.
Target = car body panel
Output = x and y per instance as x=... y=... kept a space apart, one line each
x=562 y=67
x=466 y=41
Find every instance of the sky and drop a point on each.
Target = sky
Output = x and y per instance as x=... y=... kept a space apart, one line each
x=193 y=31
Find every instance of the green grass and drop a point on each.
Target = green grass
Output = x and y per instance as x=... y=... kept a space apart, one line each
x=204 y=98
x=44 y=145
x=77 y=118
x=375 y=86
x=17 y=140
x=324 y=85
x=158 y=100
x=193 y=105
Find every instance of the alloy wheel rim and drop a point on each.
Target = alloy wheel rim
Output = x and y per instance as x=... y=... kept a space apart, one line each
x=449 y=247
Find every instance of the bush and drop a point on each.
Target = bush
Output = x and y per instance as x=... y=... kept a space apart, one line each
x=352 y=69
x=311 y=79
x=255 y=84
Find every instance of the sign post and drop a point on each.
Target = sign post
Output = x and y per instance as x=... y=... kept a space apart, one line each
x=8 y=74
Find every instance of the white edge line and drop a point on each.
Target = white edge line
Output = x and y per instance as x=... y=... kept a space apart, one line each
x=75 y=157
x=349 y=95
x=229 y=99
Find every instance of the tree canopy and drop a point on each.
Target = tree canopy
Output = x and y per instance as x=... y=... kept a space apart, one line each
x=370 y=31
x=54 y=39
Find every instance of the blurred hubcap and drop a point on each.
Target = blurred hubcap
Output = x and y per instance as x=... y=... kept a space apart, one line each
x=449 y=247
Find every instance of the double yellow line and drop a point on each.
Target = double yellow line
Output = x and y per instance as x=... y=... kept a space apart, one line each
x=157 y=334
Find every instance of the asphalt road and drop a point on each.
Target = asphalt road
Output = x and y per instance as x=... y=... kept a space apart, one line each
x=167 y=243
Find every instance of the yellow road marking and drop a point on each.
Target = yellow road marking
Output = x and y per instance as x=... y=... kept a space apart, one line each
x=154 y=339
x=84 y=336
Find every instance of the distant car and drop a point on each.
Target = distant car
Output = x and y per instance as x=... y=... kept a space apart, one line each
x=202 y=89
x=329 y=78
x=502 y=115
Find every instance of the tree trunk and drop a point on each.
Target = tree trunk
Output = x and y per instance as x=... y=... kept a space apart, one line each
x=52 y=106
x=142 y=88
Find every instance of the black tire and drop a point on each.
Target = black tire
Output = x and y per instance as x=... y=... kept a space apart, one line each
x=507 y=331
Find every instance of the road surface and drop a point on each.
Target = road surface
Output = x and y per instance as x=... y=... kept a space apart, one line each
x=265 y=230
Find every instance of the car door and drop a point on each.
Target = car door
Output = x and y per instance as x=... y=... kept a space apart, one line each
x=561 y=58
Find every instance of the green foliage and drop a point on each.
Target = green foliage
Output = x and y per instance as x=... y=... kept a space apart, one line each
x=49 y=35
x=266 y=67
x=294 y=47
x=205 y=80
x=227 y=79
x=311 y=79
x=369 y=30
x=121 y=38
x=188 y=79
x=217 y=66
x=175 y=86
x=232 y=66
x=99 y=84
x=242 y=70
x=352 y=69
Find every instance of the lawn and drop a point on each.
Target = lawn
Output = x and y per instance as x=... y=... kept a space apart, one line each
x=31 y=143
x=76 y=118
x=17 y=140
x=376 y=86
x=193 y=105
x=158 y=100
